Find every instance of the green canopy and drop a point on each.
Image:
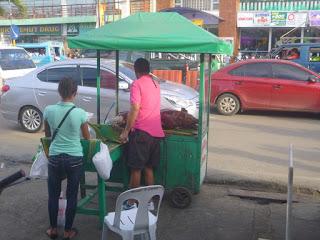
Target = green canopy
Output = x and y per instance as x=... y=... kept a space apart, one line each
x=152 y=32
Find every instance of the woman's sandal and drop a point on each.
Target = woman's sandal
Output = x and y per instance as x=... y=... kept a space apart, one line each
x=75 y=233
x=50 y=233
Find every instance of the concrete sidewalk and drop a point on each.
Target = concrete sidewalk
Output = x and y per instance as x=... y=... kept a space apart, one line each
x=253 y=149
x=212 y=215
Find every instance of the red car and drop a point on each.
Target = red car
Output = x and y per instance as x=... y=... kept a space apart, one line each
x=265 y=84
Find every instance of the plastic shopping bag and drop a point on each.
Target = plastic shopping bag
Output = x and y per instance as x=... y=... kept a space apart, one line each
x=39 y=168
x=62 y=211
x=103 y=162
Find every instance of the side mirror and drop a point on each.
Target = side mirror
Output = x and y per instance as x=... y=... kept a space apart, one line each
x=313 y=79
x=123 y=85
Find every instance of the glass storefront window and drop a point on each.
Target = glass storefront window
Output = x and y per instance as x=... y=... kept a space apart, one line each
x=292 y=37
x=254 y=39
x=178 y=3
x=312 y=35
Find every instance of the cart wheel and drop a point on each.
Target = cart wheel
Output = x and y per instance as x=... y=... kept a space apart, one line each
x=180 y=197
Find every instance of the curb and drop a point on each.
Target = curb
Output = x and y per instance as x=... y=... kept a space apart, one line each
x=263 y=185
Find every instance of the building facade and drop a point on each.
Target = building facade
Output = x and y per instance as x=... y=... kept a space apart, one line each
x=258 y=26
x=264 y=24
x=210 y=6
x=57 y=19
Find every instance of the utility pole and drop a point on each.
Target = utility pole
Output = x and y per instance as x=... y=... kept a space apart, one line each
x=98 y=23
x=10 y=16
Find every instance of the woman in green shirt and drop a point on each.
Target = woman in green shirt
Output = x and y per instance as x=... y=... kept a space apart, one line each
x=65 y=154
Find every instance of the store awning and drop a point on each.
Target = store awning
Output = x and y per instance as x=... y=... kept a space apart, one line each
x=194 y=14
x=152 y=32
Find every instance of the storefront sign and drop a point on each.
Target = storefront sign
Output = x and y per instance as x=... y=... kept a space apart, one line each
x=278 y=19
x=272 y=19
x=245 y=19
x=262 y=19
x=314 y=18
x=72 y=29
x=35 y=30
x=85 y=27
x=198 y=22
x=251 y=19
x=296 y=19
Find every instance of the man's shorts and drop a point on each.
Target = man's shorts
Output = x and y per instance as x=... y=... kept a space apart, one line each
x=143 y=150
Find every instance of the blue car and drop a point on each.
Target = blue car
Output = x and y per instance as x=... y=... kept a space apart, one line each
x=305 y=54
x=45 y=52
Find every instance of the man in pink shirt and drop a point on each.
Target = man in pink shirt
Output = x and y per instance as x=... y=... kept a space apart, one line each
x=144 y=125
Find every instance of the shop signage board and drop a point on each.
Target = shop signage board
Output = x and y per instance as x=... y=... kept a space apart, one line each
x=85 y=27
x=14 y=32
x=278 y=19
x=314 y=18
x=254 y=19
x=261 y=19
x=54 y=29
x=72 y=29
x=296 y=19
x=272 y=19
x=198 y=22
x=245 y=19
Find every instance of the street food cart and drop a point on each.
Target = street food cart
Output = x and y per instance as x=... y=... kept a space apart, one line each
x=183 y=161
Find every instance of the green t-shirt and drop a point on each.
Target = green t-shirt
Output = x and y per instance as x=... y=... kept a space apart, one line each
x=68 y=138
x=215 y=66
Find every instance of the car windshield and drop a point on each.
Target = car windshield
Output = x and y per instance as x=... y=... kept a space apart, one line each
x=14 y=59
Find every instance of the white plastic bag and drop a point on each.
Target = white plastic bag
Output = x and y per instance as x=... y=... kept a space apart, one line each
x=103 y=162
x=62 y=211
x=39 y=168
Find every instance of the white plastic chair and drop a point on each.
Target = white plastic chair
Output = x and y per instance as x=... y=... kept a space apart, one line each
x=138 y=220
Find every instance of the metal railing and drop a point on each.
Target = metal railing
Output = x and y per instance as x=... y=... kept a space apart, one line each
x=47 y=11
x=276 y=5
x=55 y=11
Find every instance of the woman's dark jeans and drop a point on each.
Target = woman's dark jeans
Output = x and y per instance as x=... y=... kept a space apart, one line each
x=59 y=167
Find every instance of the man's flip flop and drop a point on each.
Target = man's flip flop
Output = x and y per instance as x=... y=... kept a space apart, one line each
x=74 y=235
x=51 y=235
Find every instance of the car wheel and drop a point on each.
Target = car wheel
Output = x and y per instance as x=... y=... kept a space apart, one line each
x=180 y=197
x=228 y=104
x=30 y=119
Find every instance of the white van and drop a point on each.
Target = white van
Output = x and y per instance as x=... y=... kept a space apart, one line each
x=14 y=62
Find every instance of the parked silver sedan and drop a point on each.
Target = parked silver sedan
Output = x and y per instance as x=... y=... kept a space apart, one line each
x=24 y=98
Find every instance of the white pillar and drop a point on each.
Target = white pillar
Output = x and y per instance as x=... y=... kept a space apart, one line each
x=302 y=35
x=64 y=9
x=270 y=40
x=153 y=6
x=125 y=8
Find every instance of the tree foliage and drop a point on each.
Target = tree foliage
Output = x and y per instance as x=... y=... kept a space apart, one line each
x=18 y=3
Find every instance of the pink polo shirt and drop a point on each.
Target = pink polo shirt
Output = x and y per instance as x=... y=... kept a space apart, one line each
x=146 y=92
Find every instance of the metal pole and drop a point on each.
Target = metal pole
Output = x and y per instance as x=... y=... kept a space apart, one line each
x=117 y=86
x=201 y=95
x=302 y=35
x=289 y=196
x=270 y=40
x=98 y=86
x=98 y=14
x=208 y=106
x=13 y=42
